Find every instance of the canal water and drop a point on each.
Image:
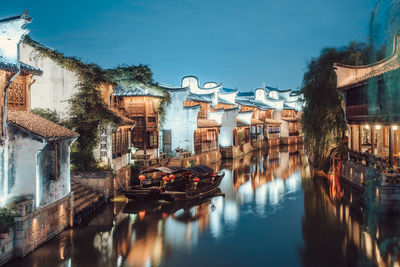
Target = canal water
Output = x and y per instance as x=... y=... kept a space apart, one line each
x=272 y=214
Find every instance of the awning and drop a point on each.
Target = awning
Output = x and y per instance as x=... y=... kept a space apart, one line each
x=290 y=119
x=272 y=121
x=255 y=121
x=207 y=123
x=169 y=170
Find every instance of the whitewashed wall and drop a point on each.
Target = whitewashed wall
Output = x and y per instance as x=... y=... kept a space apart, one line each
x=228 y=124
x=22 y=175
x=54 y=87
x=182 y=121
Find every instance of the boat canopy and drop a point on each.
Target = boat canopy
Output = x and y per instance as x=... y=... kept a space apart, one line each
x=169 y=170
x=199 y=170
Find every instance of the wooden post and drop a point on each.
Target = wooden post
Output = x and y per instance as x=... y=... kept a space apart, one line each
x=351 y=138
x=390 y=146
x=372 y=139
x=359 y=138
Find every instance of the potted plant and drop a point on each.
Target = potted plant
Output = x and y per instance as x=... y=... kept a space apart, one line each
x=6 y=222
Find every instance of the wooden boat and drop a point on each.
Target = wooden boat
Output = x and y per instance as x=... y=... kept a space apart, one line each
x=204 y=183
x=176 y=184
x=149 y=188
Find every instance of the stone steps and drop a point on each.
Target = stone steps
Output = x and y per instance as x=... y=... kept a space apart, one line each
x=83 y=196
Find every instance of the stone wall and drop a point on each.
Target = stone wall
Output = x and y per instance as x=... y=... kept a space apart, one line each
x=388 y=194
x=7 y=247
x=274 y=142
x=236 y=151
x=354 y=173
x=34 y=227
x=124 y=177
x=98 y=181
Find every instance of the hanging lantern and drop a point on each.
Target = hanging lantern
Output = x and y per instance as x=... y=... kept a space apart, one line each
x=165 y=179
x=196 y=181
x=213 y=177
x=172 y=178
x=141 y=178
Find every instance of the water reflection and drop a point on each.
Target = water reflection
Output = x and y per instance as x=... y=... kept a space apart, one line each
x=272 y=212
x=350 y=235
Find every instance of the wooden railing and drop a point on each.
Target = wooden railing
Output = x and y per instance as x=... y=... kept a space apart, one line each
x=370 y=159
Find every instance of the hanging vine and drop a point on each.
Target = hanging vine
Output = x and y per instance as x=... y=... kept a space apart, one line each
x=87 y=110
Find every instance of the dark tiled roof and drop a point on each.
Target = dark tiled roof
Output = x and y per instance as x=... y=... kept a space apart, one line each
x=39 y=125
x=24 y=15
x=245 y=102
x=285 y=106
x=136 y=89
x=225 y=91
x=25 y=68
x=289 y=119
x=206 y=123
x=201 y=98
x=122 y=114
x=223 y=101
x=245 y=94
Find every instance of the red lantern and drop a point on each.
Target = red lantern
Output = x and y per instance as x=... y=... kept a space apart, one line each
x=172 y=178
x=214 y=175
x=165 y=179
x=196 y=181
x=141 y=178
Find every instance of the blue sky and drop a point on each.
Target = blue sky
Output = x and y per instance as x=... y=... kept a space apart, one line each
x=240 y=43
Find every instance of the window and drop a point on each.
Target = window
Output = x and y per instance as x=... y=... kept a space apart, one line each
x=139 y=122
x=137 y=139
x=16 y=95
x=151 y=107
x=153 y=140
x=151 y=119
x=357 y=96
x=136 y=109
x=50 y=161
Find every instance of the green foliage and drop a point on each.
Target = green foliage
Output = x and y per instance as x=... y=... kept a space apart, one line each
x=131 y=73
x=323 y=122
x=128 y=75
x=87 y=110
x=51 y=115
x=6 y=219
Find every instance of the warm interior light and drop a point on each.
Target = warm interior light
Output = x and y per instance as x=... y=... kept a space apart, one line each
x=377 y=127
x=366 y=126
x=394 y=127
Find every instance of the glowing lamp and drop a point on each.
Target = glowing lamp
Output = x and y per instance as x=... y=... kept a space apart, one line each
x=366 y=126
x=165 y=179
x=141 y=178
x=377 y=127
x=394 y=127
x=142 y=214
x=196 y=181
x=172 y=178
x=213 y=177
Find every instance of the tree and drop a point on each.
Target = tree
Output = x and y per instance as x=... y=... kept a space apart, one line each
x=323 y=122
